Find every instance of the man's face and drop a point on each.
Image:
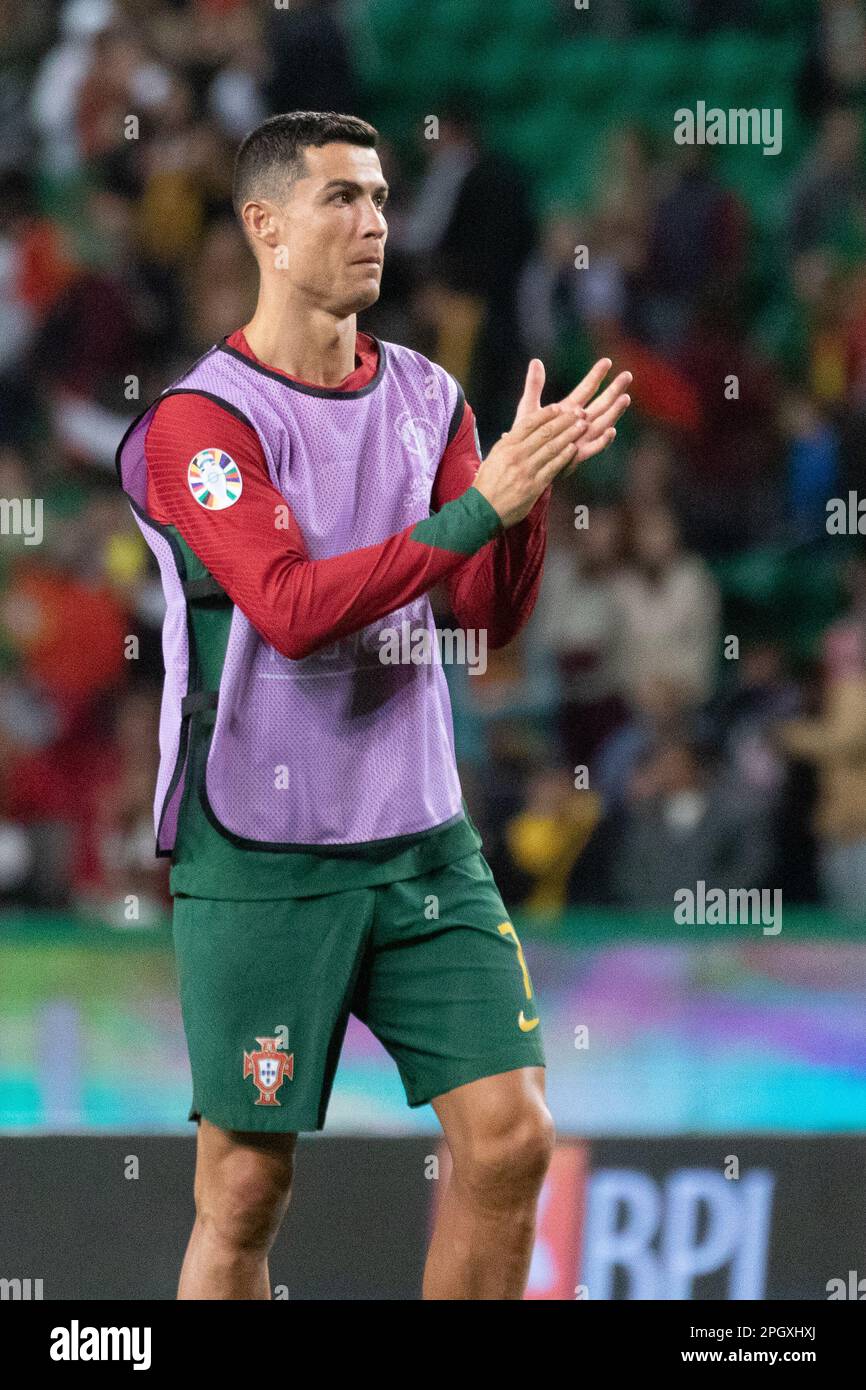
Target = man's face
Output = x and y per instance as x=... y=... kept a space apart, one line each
x=333 y=228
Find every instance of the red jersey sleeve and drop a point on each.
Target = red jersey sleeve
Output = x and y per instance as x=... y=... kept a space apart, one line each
x=497 y=588
x=257 y=552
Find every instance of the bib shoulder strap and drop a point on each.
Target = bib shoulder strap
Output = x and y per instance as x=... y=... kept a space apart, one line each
x=205 y=588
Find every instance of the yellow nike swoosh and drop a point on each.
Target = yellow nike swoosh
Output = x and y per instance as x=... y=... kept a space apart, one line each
x=527 y=1025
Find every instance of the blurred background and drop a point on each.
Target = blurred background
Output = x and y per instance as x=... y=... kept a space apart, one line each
x=688 y=701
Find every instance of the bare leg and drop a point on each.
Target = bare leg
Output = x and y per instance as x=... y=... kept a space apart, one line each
x=243 y=1184
x=501 y=1137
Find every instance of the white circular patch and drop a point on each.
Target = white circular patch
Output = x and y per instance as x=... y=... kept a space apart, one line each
x=214 y=479
x=417 y=434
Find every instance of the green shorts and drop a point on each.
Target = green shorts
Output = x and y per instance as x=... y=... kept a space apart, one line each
x=431 y=964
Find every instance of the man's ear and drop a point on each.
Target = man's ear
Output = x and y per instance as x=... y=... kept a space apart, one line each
x=260 y=221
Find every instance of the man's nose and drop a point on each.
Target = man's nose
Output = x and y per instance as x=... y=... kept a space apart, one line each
x=373 y=221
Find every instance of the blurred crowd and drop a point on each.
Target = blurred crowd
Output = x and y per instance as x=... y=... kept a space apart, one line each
x=689 y=699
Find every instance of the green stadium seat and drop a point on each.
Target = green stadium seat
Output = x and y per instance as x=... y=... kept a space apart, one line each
x=659 y=66
x=737 y=69
x=503 y=72
x=791 y=17
x=523 y=22
x=588 y=72
x=462 y=22
x=390 y=21
x=540 y=140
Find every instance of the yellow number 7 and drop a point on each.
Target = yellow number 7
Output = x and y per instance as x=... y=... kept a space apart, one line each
x=507 y=929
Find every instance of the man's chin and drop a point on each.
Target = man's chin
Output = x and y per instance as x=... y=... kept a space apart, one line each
x=359 y=300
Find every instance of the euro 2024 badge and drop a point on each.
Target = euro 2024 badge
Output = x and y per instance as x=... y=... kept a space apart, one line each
x=214 y=479
x=269 y=1068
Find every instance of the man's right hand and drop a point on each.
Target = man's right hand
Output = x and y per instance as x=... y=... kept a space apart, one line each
x=525 y=461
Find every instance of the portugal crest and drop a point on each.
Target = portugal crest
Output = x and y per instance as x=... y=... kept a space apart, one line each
x=269 y=1068
x=214 y=479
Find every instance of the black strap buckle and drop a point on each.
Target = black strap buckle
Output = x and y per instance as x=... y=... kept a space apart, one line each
x=198 y=700
x=206 y=587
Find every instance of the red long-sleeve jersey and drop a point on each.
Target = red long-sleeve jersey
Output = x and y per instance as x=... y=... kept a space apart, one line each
x=298 y=604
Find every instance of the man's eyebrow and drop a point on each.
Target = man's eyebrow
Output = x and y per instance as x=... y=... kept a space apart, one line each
x=351 y=186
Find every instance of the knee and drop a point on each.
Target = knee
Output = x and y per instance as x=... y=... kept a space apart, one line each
x=243 y=1209
x=510 y=1163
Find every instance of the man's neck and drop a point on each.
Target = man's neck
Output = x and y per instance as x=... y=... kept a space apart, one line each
x=310 y=345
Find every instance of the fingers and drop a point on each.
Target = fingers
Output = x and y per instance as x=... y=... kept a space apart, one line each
x=562 y=456
x=586 y=389
x=598 y=424
x=552 y=440
x=526 y=426
x=604 y=401
x=602 y=416
x=533 y=387
x=599 y=433
x=547 y=442
x=538 y=428
x=597 y=445
x=588 y=450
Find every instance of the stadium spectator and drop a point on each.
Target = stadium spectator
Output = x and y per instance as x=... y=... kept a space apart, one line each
x=811 y=465
x=579 y=622
x=472 y=229
x=547 y=836
x=668 y=609
x=735 y=492
x=60 y=79
x=697 y=239
x=310 y=65
x=686 y=821
x=835 y=742
x=660 y=708
x=831 y=181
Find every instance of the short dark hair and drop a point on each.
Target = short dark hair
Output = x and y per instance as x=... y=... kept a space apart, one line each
x=271 y=157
